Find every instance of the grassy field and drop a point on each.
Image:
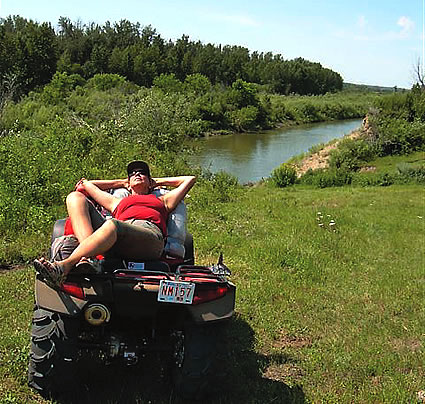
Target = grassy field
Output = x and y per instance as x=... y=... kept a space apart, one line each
x=389 y=164
x=325 y=312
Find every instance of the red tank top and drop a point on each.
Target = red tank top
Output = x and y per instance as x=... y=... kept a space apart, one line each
x=143 y=207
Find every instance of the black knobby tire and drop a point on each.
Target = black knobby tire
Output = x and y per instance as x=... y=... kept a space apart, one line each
x=53 y=352
x=194 y=362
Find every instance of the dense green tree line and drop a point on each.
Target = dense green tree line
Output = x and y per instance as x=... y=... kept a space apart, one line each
x=30 y=53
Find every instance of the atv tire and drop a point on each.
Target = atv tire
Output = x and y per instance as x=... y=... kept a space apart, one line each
x=195 y=360
x=53 y=352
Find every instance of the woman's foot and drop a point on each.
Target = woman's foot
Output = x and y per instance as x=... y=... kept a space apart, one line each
x=88 y=266
x=52 y=272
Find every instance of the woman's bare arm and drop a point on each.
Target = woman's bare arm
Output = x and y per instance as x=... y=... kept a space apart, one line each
x=103 y=198
x=110 y=184
x=183 y=185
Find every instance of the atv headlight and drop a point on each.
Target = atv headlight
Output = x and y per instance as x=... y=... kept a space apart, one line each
x=97 y=314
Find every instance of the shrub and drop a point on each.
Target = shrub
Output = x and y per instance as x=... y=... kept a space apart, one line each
x=197 y=83
x=311 y=112
x=61 y=87
x=397 y=136
x=105 y=81
x=243 y=119
x=412 y=173
x=284 y=175
x=215 y=188
x=324 y=178
x=159 y=121
x=243 y=94
x=351 y=154
x=168 y=83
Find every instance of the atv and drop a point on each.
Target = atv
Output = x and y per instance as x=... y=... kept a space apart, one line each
x=127 y=310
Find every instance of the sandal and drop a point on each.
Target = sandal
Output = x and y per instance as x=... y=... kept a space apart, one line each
x=88 y=266
x=52 y=273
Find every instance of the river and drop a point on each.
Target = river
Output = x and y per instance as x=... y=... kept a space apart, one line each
x=252 y=156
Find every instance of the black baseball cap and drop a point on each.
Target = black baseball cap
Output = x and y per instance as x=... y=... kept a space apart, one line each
x=139 y=166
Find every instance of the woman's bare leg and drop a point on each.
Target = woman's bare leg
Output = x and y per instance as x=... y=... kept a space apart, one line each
x=97 y=243
x=78 y=211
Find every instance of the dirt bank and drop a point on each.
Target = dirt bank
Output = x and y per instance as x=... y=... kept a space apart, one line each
x=321 y=158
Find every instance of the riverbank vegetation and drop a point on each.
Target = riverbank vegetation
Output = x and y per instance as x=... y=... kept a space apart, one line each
x=203 y=108
x=394 y=129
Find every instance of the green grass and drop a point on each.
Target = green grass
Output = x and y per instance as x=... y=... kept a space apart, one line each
x=389 y=164
x=322 y=315
x=355 y=295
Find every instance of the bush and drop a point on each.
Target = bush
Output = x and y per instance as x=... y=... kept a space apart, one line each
x=351 y=154
x=105 y=81
x=168 y=83
x=412 y=173
x=215 y=188
x=311 y=112
x=243 y=119
x=284 y=175
x=243 y=94
x=397 y=136
x=197 y=83
x=159 y=121
x=324 y=178
x=61 y=87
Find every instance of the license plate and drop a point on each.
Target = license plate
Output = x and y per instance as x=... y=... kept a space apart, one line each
x=176 y=292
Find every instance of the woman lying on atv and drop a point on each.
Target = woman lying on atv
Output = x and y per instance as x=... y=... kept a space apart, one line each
x=137 y=229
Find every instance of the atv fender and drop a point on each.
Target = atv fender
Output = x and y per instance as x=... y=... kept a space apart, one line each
x=55 y=300
x=216 y=310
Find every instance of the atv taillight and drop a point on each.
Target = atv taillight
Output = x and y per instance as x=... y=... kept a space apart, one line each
x=206 y=295
x=73 y=289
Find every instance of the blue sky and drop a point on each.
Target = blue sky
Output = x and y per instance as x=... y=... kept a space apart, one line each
x=366 y=41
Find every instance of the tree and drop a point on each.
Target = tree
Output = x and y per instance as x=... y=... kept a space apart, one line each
x=419 y=75
x=28 y=51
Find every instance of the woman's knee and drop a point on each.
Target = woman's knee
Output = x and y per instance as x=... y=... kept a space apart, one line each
x=109 y=227
x=75 y=198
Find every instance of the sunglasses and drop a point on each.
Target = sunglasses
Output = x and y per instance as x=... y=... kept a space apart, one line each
x=136 y=172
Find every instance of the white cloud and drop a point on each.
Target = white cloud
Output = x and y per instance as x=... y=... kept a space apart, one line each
x=362 y=22
x=235 y=19
x=363 y=31
x=407 y=26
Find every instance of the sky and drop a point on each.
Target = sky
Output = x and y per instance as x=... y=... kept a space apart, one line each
x=375 y=42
